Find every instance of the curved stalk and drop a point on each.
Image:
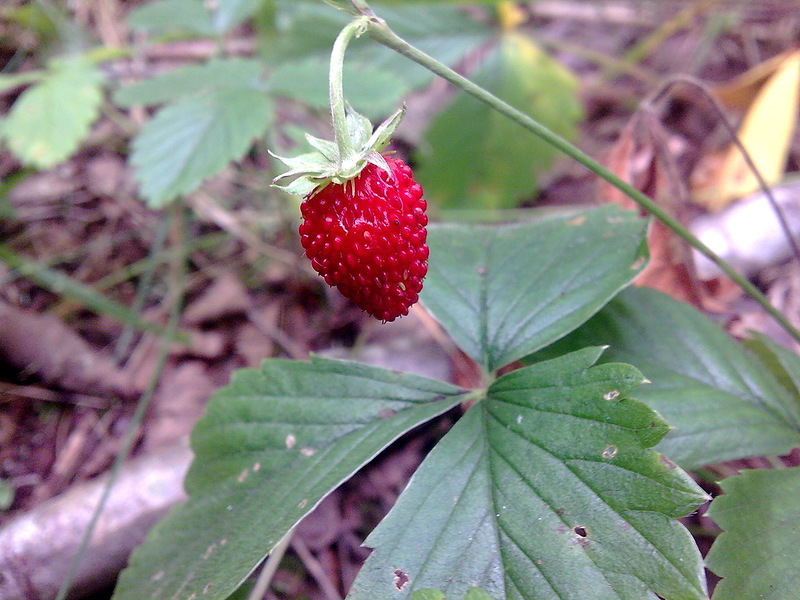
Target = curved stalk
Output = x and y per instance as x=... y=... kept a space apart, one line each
x=336 y=90
x=381 y=33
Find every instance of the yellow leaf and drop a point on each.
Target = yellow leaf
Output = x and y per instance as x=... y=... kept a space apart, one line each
x=766 y=132
x=738 y=93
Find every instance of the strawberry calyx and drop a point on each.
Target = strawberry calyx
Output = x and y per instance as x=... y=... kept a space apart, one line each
x=332 y=162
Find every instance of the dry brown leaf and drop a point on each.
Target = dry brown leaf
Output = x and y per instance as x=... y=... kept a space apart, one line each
x=639 y=157
x=766 y=132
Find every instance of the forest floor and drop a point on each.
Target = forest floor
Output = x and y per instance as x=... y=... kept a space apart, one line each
x=70 y=377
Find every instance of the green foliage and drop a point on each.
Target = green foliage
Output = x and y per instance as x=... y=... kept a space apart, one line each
x=477 y=157
x=191 y=17
x=723 y=403
x=549 y=474
x=474 y=593
x=504 y=292
x=303 y=32
x=272 y=445
x=50 y=119
x=195 y=137
x=543 y=480
x=757 y=553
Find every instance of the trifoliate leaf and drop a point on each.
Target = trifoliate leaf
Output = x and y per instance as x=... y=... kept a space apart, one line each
x=723 y=403
x=49 y=120
x=503 y=291
x=272 y=445
x=757 y=553
x=475 y=157
x=193 y=139
x=547 y=489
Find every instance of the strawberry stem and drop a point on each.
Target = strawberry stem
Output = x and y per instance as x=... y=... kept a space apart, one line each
x=383 y=34
x=338 y=113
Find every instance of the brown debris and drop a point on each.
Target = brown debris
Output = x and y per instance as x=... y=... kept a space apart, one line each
x=41 y=346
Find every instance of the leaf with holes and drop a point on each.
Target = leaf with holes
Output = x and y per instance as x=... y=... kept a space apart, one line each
x=272 y=445
x=545 y=489
x=722 y=401
x=757 y=553
x=502 y=292
x=193 y=139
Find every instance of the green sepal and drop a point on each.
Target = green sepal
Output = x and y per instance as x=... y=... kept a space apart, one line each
x=325 y=164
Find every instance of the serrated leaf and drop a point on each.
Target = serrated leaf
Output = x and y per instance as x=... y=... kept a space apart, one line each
x=502 y=292
x=723 y=403
x=272 y=445
x=477 y=157
x=49 y=120
x=546 y=489
x=216 y=74
x=371 y=90
x=757 y=553
x=193 y=139
x=173 y=17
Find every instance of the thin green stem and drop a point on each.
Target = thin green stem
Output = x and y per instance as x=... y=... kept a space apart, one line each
x=338 y=114
x=381 y=32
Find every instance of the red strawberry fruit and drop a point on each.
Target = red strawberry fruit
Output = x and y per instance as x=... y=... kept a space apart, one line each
x=367 y=237
x=364 y=221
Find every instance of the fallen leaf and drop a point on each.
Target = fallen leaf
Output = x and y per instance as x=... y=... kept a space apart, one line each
x=766 y=132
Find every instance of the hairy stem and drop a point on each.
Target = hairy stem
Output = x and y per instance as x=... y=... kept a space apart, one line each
x=381 y=32
x=338 y=114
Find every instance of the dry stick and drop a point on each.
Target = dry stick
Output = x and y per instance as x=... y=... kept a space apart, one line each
x=270 y=567
x=731 y=131
x=381 y=33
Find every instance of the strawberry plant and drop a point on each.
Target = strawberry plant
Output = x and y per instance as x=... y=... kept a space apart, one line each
x=564 y=474
x=569 y=463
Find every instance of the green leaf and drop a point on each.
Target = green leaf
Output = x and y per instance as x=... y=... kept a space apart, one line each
x=170 y=17
x=7 y=493
x=304 y=29
x=370 y=90
x=229 y=13
x=14 y=80
x=49 y=120
x=545 y=490
x=757 y=553
x=503 y=292
x=216 y=74
x=193 y=139
x=722 y=402
x=272 y=445
x=781 y=362
x=478 y=157
x=428 y=595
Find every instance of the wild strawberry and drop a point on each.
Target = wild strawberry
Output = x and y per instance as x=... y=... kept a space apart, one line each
x=363 y=216
x=367 y=238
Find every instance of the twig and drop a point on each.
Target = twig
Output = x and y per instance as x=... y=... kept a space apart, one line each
x=270 y=567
